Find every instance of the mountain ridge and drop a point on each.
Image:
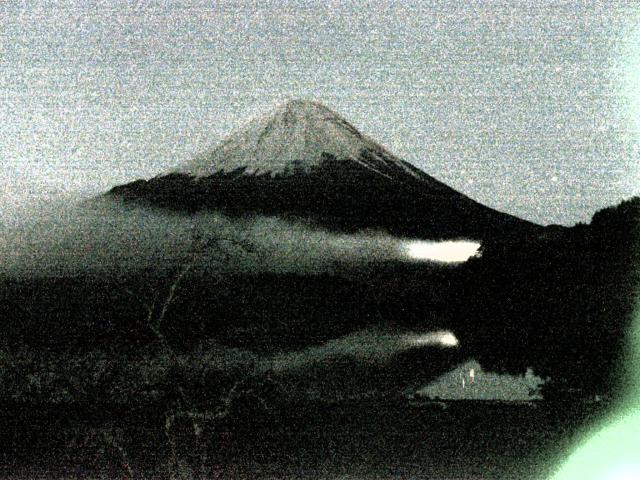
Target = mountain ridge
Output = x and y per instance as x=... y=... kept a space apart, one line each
x=294 y=136
x=305 y=160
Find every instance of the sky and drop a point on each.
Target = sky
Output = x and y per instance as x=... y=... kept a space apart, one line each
x=531 y=107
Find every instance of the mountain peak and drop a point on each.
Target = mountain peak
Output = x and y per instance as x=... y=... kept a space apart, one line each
x=304 y=159
x=301 y=106
x=297 y=132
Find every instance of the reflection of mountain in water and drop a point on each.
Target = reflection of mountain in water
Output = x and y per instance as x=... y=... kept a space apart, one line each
x=242 y=365
x=470 y=382
x=552 y=298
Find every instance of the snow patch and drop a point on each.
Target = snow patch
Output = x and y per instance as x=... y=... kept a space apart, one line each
x=296 y=136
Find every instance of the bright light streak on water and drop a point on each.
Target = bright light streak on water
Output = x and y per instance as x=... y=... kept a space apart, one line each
x=452 y=251
x=436 y=339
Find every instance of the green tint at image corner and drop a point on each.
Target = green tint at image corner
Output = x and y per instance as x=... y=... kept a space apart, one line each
x=612 y=451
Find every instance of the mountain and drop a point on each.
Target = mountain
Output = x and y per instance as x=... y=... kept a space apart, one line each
x=304 y=160
x=183 y=349
x=296 y=137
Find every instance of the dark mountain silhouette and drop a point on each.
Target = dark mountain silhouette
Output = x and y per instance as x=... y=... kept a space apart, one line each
x=234 y=347
x=562 y=302
x=536 y=297
x=306 y=161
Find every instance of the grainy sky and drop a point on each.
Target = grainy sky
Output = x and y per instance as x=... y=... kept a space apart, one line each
x=531 y=107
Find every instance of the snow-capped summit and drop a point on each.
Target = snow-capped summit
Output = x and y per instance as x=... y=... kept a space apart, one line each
x=304 y=160
x=297 y=135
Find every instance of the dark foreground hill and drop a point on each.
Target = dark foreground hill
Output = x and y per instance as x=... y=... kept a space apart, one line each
x=308 y=440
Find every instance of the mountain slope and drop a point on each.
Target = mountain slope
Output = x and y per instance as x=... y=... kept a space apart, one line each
x=294 y=137
x=305 y=160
